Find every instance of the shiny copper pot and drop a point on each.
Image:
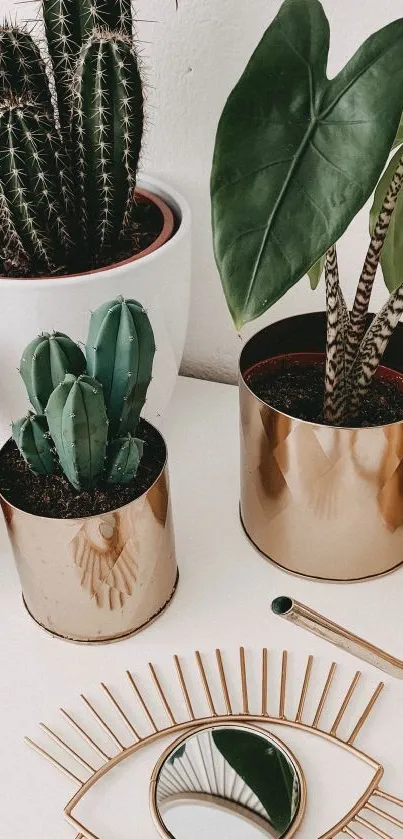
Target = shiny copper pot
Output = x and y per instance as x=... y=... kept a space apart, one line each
x=99 y=578
x=322 y=502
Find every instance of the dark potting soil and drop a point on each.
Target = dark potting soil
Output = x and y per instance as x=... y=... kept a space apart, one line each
x=54 y=497
x=148 y=225
x=298 y=392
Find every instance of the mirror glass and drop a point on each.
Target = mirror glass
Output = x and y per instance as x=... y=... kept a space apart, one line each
x=229 y=781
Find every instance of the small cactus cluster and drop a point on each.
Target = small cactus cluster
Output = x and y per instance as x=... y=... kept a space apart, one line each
x=70 y=139
x=87 y=407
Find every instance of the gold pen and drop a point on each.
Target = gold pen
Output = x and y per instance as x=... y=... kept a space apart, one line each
x=319 y=625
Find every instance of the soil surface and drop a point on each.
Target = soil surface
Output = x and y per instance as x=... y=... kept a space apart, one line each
x=54 y=497
x=149 y=222
x=298 y=392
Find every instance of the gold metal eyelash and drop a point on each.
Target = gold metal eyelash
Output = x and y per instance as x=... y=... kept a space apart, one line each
x=374 y=802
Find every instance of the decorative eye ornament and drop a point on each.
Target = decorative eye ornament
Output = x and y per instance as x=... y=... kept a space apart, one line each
x=243 y=750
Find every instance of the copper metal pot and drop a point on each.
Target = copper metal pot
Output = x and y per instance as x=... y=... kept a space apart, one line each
x=321 y=502
x=98 y=578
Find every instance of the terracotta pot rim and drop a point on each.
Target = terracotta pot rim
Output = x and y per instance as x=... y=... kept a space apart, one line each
x=382 y=372
x=95 y=515
x=162 y=239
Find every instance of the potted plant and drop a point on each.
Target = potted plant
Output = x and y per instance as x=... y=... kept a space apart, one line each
x=296 y=157
x=84 y=482
x=77 y=226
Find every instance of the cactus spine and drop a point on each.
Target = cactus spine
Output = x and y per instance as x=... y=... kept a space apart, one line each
x=45 y=363
x=120 y=353
x=33 y=440
x=78 y=424
x=107 y=131
x=34 y=183
x=124 y=455
x=88 y=409
x=22 y=68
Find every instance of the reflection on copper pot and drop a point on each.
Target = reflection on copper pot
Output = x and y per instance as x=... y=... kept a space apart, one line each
x=319 y=501
x=98 y=578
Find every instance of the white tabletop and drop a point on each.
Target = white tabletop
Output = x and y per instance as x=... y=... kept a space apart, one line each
x=223 y=600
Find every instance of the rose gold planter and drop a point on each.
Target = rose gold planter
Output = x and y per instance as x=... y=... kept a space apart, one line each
x=322 y=502
x=99 y=578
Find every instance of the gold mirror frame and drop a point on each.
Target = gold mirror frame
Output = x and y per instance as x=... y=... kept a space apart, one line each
x=374 y=800
x=155 y=812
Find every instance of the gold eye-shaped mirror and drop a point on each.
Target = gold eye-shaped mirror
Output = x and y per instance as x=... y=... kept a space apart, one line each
x=231 y=780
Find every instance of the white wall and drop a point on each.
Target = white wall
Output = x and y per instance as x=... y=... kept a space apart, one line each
x=194 y=57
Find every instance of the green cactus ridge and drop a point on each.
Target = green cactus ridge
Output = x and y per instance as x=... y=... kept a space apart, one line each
x=45 y=363
x=68 y=25
x=107 y=128
x=120 y=353
x=124 y=456
x=15 y=260
x=78 y=424
x=22 y=68
x=34 y=182
x=32 y=437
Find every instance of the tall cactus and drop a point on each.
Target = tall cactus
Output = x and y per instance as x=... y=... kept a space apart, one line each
x=35 y=183
x=78 y=424
x=32 y=436
x=107 y=129
x=45 y=363
x=67 y=205
x=22 y=68
x=120 y=353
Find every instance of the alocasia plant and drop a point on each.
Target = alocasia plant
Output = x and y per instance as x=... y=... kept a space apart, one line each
x=296 y=157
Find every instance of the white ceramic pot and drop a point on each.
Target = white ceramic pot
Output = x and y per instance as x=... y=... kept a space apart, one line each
x=160 y=280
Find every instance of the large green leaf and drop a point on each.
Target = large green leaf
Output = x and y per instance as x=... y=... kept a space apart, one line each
x=392 y=250
x=265 y=770
x=297 y=155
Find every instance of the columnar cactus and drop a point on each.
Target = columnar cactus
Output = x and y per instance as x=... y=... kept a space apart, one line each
x=33 y=440
x=68 y=166
x=120 y=354
x=45 y=363
x=107 y=127
x=88 y=410
x=78 y=425
x=35 y=183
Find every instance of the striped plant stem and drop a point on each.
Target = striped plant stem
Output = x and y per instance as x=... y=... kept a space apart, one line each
x=362 y=298
x=337 y=326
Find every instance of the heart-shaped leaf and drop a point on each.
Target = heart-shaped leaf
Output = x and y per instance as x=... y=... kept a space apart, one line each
x=392 y=250
x=297 y=155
